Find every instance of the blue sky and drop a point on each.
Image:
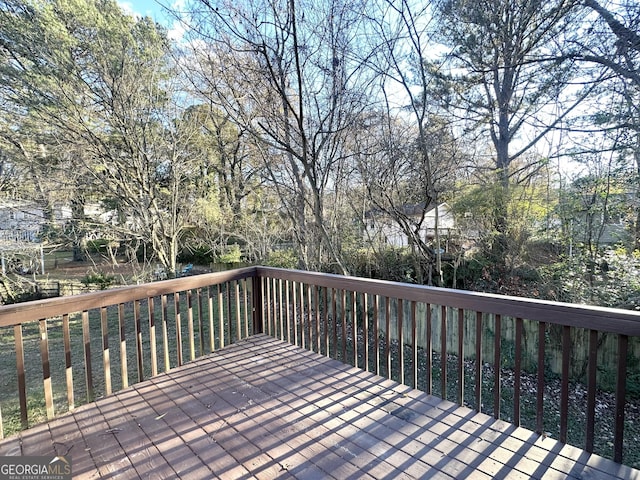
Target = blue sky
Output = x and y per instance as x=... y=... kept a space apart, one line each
x=150 y=8
x=154 y=9
x=143 y=7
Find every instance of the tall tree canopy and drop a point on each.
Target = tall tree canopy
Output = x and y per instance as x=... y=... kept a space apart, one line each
x=507 y=76
x=100 y=84
x=282 y=122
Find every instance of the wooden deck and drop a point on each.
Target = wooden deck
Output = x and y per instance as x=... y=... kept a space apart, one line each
x=262 y=408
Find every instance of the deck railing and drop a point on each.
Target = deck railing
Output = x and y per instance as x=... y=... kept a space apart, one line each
x=114 y=337
x=524 y=361
x=517 y=359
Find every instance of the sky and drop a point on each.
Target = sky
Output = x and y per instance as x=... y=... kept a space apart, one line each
x=149 y=8
x=154 y=9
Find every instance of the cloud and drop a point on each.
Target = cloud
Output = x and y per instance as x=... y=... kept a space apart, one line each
x=127 y=7
x=177 y=31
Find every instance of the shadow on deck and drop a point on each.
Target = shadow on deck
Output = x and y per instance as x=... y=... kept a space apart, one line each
x=262 y=408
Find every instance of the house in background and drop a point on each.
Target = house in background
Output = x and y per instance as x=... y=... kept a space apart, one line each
x=383 y=227
x=604 y=221
x=22 y=221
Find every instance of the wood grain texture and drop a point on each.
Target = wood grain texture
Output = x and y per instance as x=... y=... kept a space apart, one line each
x=262 y=408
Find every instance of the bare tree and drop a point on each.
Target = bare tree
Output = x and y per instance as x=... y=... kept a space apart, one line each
x=286 y=72
x=617 y=46
x=612 y=42
x=419 y=162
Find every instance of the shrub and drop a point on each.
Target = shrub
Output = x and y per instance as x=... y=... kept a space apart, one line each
x=392 y=263
x=232 y=255
x=100 y=279
x=199 y=255
x=282 y=259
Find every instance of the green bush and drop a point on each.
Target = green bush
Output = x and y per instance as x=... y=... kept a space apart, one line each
x=392 y=263
x=97 y=246
x=610 y=279
x=233 y=254
x=100 y=245
x=282 y=259
x=100 y=279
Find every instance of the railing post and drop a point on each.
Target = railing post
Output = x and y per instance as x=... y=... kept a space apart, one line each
x=621 y=385
x=258 y=324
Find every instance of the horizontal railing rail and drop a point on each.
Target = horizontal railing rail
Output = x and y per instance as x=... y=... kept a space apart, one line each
x=519 y=359
x=114 y=338
x=613 y=320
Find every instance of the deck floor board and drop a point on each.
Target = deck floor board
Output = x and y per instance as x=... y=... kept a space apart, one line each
x=262 y=408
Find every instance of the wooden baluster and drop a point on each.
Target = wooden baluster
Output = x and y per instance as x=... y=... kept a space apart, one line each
x=200 y=326
x=621 y=386
x=497 y=385
x=106 y=357
x=46 y=368
x=287 y=296
x=303 y=322
x=400 y=322
x=429 y=351
x=178 y=320
x=280 y=310
x=139 y=345
x=443 y=351
x=343 y=316
x=376 y=335
x=245 y=296
x=542 y=327
x=190 y=329
x=165 y=333
x=238 y=313
x=294 y=291
x=517 y=385
x=564 y=385
x=152 y=337
x=227 y=305
x=22 y=382
x=317 y=316
x=414 y=348
x=86 y=338
x=326 y=321
x=478 y=370
x=354 y=328
x=591 y=389
x=365 y=329
x=334 y=309
x=387 y=337
x=460 y=356
x=306 y=316
x=66 y=336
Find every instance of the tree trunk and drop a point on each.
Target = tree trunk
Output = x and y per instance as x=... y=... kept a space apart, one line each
x=78 y=233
